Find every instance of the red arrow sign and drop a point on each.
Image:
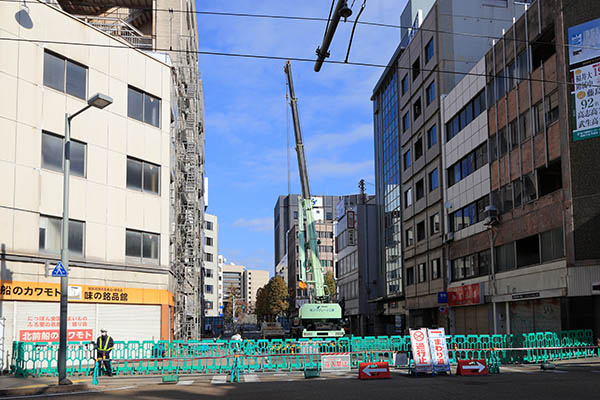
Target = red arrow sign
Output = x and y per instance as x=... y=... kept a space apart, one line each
x=377 y=370
x=471 y=367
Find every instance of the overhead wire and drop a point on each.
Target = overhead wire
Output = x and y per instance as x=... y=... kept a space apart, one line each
x=320 y=19
x=280 y=58
x=362 y=8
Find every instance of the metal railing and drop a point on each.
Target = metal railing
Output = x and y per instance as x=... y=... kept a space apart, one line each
x=120 y=28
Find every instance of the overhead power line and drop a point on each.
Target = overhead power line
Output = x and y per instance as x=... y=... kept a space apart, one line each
x=280 y=58
x=320 y=19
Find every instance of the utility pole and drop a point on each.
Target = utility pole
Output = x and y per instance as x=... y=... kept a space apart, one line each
x=341 y=10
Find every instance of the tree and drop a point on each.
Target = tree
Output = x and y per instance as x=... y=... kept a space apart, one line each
x=277 y=296
x=330 y=283
x=261 y=303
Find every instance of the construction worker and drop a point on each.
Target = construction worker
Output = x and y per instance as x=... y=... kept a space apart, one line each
x=104 y=345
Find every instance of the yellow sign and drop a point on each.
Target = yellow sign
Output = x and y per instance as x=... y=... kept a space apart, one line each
x=36 y=291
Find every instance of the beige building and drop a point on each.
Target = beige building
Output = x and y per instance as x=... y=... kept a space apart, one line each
x=210 y=266
x=123 y=274
x=254 y=279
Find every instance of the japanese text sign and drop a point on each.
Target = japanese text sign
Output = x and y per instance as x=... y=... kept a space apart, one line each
x=420 y=350
x=439 y=350
x=465 y=295
x=336 y=363
x=587 y=102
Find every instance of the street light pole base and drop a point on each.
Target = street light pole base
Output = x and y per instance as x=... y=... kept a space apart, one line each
x=65 y=381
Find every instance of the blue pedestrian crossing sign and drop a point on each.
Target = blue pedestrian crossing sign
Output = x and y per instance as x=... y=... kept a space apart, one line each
x=59 y=270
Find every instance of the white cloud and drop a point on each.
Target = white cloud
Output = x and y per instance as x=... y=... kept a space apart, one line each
x=256 y=224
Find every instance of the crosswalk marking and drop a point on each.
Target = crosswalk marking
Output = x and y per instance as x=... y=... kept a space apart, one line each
x=250 y=378
x=185 y=382
x=280 y=374
x=219 y=379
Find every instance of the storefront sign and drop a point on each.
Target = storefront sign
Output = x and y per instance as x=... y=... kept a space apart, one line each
x=522 y=296
x=587 y=102
x=439 y=350
x=465 y=295
x=41 y=327
x=420 y=350
x=36 y=291
x=584 y=41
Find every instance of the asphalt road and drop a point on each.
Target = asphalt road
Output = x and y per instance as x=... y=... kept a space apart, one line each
x=569 y=382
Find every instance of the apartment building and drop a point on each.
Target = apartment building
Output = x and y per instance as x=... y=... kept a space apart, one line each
x=408 y=162
x=210 y=266
x=254 y=279
x=120 y=273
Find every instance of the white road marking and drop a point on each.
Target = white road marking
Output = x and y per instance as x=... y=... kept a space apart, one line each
x=250 y=378
x=185 y=382
x=219 y=379
x=518 y=370
x=280 y=374
x=556 y=371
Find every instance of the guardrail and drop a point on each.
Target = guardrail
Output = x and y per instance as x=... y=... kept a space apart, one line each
x=208 y=356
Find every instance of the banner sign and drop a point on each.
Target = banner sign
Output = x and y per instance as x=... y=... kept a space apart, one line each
x=465 y=295
x=584 y=41
x=38 y=291
x=439 y=350
x=420 y=350
x=587 y=102
x=335 y=363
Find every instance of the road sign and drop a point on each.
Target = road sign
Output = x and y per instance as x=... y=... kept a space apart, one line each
x=375 y=370
x=472 y=367
x=439 y=350
x=336 y=363
x=442 y=297
x=59 y=270
x=420 y=350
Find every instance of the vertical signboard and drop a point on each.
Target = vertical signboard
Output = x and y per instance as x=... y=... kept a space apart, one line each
x=584 y=41
x=420 y=350
x=439 y=350
x=587 y=102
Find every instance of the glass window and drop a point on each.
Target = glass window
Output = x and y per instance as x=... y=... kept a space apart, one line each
x=456 y=172
x=458 y=269
x=209 y=289
x=433 y=180
x=409 y=237
x=151 y=246
x=431 y=93
x=517 y=192
x=434 y=223
x=505 y=257
x=468 y=165
x=208 y=257
x=410 y=276
x=422 y=272
x=209 y=241
x=481 y=156
x=133 y=243
x=469 y=266
x=208 y=225
x=485 y=262
x=420 y=231
x=429 y=51
x=493 y=145
x=457 y=219
x=481 y=206
x=151 y=110
x=552 y=108
x=507 y=200
x=50 y=234
x=528 y=251
x=503 y=142
x=420 y=189
x=522 y=65
x=417 y=108
x=405 y=122
x=54 y=71
x=418 y=148
x=416 y=68
x=529 y=188
x=469 y=215
x=52 y=151
x=436 y=271
x=513 y=134
x=408 y=198
x=134 y=174
x=405 y=84
x=407 y=159
x=77 y=158
x=432 y=136
x=500 y=85
x=151 y=177
x=76 y=80
x=538 y=117
x=525 y=126
x=135 y=104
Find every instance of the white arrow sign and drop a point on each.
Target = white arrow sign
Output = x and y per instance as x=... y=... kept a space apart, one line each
x=479 y=366
x=373 y=368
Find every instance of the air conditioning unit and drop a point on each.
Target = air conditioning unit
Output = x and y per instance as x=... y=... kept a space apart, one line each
x=449 y=236
x=491 y=215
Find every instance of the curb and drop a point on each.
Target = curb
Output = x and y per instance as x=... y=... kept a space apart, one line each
x=44 y=389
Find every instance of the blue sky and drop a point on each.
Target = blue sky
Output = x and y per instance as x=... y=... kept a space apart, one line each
x=246 y=112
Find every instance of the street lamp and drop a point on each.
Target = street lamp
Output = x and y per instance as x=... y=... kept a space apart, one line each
x=99 y=101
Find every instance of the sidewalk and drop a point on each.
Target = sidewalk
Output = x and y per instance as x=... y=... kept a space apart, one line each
x=17 y=386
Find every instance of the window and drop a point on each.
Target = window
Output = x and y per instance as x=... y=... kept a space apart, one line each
x=208 y=257
x=470 y=266
x=433 y=180
x=552 y=245
x=552 y=108
x=420 y=189
x=538 y=117
x=143 y=106
x=408 y=198
x=484 y=262
x=142 y=245
x=436 y=270
x=295 y=214
x=329 y=216
x=500 y=85
x=457 y=220
x=513 y=134
x=405 y=84
x=65 y=75
x=465 y=116
x=458 y=269
x=420 y=231
x=410 y=276
x=406 y=122
x=469 y=215
x=209 y=241
x=52 y=154
x=422 y=272
x=481 y=156
x=418 y=148
x=507 y=199
x=429 y=51
x=528 y=251
x=522 y=66
x=481 y=206
x=208 y=305
x=505 y=257
x=417 y=108
x=208 y=289
x=467 y=165
x=511 y=75
x=503 y=142
x=50 y=235
x=142 y=175
x=208 y=225
x=434 y=223
x=525 y=126
x=407 y=159
x=550 y=179
x=529 y=188
x=416 y=68
x=431 y=93
x=454 y=174
x=493 y=148
x=208 y=272
x=432 y=136
x=517 y=192
x=410 y=239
